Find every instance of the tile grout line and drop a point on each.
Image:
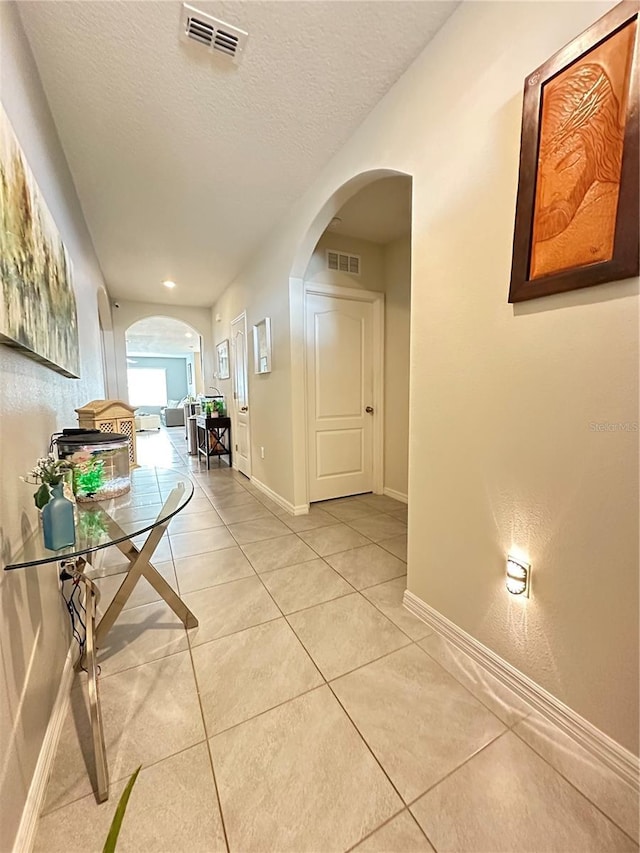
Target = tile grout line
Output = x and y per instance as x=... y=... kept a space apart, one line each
x=119 y=779
x=386 y=823
x=359 y=733
x=373 y=831
x=511 y=727
x=457 y=767
x=366 y=743
x=190 y=647
x=569 y=782
x=325 y=683
x=267 y=710
x=206 y=737
x=361 y=736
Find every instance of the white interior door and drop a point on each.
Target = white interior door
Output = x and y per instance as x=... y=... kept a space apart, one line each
x=340 y=395
x=241 y=431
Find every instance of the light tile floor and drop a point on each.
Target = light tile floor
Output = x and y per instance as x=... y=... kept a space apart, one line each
x=309 y=711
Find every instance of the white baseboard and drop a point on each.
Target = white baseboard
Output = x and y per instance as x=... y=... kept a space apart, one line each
x=35 y=798
x=603 y=748
x=303 y=509
x=399 y=496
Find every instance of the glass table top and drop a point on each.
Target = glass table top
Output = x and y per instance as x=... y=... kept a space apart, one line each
x=157 y=494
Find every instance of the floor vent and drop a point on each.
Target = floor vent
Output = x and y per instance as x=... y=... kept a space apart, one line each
x=211 y=33
x=343 y=263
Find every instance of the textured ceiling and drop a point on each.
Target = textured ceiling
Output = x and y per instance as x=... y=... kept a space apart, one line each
x=161 y=336
x=380 y=212
x=183 y=163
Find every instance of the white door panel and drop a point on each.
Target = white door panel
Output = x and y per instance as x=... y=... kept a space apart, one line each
x=338 y=364
x=241 y=426
x=339 y=344
x=339 y=452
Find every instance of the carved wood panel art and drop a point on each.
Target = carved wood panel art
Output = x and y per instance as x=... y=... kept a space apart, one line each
x=577 y=212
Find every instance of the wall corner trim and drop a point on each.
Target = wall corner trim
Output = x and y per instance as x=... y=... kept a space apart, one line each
x=302 y=509
x=26 y=834
x=393 y=493
x=623 y=763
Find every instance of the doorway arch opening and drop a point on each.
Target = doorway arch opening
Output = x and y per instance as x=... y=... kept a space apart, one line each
x=351 y=427
x=164 y=365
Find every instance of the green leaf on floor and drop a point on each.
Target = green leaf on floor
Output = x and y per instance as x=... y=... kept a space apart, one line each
x=116 y=823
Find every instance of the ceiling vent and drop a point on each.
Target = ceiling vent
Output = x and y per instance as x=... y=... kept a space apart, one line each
x=343 y=263
x=214 y=35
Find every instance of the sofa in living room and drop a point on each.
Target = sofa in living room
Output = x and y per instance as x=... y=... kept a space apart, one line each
x=172 y=414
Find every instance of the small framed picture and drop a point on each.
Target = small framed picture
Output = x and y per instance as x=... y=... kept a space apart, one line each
x=189 y=373
x=223 y=359
x=262 y=346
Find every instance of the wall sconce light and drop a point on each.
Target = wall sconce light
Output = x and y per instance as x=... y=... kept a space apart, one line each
x=518 y=576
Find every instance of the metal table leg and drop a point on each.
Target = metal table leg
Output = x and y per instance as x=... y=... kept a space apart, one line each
x=141 y=567
x=94 y=635
x=88 y=662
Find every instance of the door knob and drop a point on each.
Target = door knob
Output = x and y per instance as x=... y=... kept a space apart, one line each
x=244 y=409
x=369 y=410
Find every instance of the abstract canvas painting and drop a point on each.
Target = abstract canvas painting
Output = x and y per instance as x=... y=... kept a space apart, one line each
x=37 y=301
x=577 y=212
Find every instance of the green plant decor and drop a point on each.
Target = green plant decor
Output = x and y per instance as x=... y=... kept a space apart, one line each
x=48 y=471
x=116 y=823
x=89 y=477
x=41 y=497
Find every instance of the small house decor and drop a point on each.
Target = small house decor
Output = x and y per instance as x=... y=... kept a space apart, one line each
x=111 y=416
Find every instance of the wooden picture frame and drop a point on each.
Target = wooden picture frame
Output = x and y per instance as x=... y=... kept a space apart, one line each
x=262 y=346
x=577 y=218
x=222 y=351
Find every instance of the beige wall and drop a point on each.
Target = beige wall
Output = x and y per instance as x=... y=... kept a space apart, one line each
x=502 y=454
x=397 y=333
x=386 y=269
x=35 y=402
x=371 y=267
x=263 y=292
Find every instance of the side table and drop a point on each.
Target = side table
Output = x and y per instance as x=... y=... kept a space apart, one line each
x=214 y=438
x=100 y=525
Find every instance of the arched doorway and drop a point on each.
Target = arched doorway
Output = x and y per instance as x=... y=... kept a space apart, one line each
x=358 y=245
x=164 y=366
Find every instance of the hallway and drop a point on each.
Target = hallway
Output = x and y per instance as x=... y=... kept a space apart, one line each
x=331 y=717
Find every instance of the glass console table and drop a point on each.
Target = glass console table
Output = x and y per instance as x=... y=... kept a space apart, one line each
x=157 y=494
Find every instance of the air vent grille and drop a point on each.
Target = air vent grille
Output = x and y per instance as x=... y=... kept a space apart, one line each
x=213 y=34
x=342 y=262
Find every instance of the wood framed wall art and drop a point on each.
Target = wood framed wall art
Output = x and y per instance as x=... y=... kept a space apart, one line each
x=577 y=218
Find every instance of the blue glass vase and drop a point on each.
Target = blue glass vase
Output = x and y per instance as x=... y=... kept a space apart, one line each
x=57 y=521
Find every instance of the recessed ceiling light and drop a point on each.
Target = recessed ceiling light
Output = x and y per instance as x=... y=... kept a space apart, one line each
x=170 y=284
x=188 y=335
